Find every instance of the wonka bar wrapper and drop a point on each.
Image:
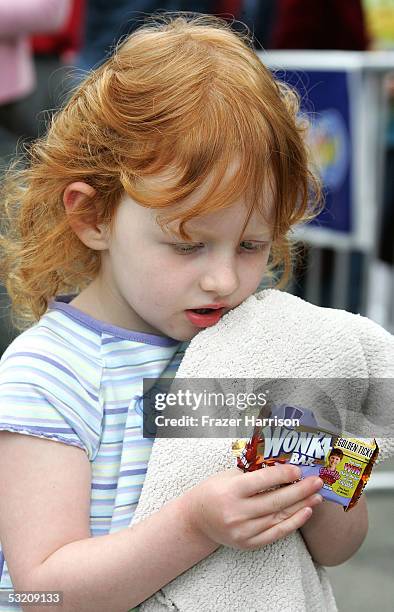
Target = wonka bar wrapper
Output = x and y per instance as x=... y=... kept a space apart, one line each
x=343 y=463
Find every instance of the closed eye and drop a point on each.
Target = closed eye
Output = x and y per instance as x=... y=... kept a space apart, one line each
x=249 y=246
x=185 y=249
x=253 y=246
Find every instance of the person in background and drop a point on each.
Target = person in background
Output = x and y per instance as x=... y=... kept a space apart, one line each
x=18 y=20
x=54 y=58
x=18 y=82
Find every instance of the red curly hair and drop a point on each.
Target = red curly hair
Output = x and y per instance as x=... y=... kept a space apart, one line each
x=184 y=91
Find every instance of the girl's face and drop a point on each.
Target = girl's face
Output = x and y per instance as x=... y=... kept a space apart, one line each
x=150 y=278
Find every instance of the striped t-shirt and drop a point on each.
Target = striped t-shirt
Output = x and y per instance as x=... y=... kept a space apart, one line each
x=79 y=381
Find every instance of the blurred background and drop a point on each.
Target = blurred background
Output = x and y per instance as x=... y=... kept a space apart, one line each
x=339 y=55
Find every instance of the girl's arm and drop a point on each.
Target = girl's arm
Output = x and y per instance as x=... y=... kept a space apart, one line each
x=45 y=534
x=332 y=535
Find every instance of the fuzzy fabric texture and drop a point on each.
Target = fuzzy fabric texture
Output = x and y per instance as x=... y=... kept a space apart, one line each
x=270 y=335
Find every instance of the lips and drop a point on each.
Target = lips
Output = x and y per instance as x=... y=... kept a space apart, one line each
x=210 y=318
x=211 y=306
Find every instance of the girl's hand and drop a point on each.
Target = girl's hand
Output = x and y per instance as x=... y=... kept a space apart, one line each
x=236 y=509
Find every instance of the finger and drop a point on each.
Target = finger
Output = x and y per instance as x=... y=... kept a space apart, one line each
x=253 y=527
x=280 y=530
x=312 y=501
x=276 y=501
x=252 y=483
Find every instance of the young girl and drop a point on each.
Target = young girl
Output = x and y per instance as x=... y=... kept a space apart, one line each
x=162 y=194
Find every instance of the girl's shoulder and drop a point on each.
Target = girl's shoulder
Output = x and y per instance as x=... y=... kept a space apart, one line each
x=55 y=361
x=57 y=337
x=49 y=385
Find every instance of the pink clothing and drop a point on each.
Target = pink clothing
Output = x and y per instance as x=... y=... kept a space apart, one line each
x=19 y=19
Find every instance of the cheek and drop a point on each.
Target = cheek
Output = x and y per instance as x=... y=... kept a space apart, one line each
x=166 y=282
x=252 y=274
x=255 y=267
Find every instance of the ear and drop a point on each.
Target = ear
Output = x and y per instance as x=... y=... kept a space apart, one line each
x=86 y=228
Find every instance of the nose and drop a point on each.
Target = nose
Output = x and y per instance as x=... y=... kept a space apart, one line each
x=220 y=276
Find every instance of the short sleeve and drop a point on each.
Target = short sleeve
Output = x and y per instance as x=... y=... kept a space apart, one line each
x=41 y=395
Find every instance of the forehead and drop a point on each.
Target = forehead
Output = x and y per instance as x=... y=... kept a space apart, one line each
x=226 y=220
x=232 y=213
x=142 y=220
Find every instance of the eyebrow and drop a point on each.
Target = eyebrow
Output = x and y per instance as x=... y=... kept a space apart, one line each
x=251 y=235
x=195 y=234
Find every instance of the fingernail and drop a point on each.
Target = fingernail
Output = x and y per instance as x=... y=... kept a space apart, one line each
x=319 y=482
x=317 y=499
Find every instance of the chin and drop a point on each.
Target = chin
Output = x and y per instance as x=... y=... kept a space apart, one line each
x=183 y=336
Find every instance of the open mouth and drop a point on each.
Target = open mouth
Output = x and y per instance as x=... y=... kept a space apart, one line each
x=204 y=317
x=205 y=310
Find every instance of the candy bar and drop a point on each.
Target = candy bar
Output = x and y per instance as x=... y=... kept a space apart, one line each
x=343 y=463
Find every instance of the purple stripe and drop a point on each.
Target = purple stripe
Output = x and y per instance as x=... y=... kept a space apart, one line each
x=61 y=304
x=116 y=410
x=104 y=487
x=64 y=430
x=133 y=472
x=103 y=516
x=58 y=366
